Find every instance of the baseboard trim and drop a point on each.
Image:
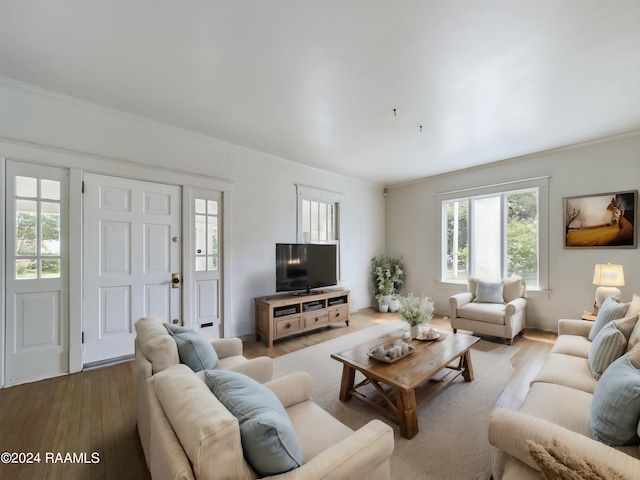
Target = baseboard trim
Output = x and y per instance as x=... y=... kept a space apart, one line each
x=105 y=363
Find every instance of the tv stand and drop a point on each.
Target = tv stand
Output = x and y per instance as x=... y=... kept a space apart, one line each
x=280 y=316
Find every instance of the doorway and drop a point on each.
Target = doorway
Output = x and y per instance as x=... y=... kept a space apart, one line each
x=132 y=261
x=36 y=272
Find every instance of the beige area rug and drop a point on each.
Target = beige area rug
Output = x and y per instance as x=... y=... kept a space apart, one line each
x=452 y=442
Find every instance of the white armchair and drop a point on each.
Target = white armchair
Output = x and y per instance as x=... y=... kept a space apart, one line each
x=504 y=319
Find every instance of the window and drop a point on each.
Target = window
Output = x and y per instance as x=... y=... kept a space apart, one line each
x=319 y=220
x=319 y=217
x=494 y=235
x=37 y=227
x=206 y=221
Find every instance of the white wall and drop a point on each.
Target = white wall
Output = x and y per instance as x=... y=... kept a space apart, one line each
x=264 y=195
x=413 y=224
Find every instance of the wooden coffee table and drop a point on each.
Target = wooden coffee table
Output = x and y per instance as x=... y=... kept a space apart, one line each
x=398 y=389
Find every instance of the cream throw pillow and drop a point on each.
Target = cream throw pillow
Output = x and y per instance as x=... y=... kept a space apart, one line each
x=513 y=288
x=473 y=285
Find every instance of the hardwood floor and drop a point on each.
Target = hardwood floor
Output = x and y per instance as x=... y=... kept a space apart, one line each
x=83 y=413
x=93 y=411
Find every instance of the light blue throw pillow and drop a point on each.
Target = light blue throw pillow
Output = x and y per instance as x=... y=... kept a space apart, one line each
x=269 y=442
x=489 y=292
x=615 y=408
x=610 y=310
x=607 y=347
x=194 y=350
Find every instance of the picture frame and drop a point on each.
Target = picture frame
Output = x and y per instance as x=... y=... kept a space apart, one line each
x=603 y=220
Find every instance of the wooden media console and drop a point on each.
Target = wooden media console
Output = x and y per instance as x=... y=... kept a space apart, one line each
x=279 y=316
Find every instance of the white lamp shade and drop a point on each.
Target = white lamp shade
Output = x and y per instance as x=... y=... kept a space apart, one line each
x=608 y=275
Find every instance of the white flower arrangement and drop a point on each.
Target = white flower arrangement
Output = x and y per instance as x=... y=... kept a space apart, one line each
x=387 y=274
x=416 y=310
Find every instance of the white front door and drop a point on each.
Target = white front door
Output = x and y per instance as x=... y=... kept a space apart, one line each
x=131 y=249
x=37 y=320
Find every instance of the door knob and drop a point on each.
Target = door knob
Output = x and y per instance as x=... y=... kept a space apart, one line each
x=175 y=280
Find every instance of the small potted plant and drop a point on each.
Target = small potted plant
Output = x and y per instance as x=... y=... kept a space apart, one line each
x=416 y=310
x=387 y=274
x=394 y=302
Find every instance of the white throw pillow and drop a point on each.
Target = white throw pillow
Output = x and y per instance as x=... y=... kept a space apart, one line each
x=513 y=288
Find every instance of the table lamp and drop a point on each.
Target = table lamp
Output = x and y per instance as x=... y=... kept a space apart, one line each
x=607 y=277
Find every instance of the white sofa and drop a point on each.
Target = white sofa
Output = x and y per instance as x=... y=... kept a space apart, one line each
x=557 y=406
x=156 y=350
x=504 y=319
x=193 y=436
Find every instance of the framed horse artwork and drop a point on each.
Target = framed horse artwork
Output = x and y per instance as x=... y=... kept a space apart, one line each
x=601 y=220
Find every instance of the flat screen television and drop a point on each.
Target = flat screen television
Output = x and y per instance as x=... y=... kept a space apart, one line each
x=305 y=266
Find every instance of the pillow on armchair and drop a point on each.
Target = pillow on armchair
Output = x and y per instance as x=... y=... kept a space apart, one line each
x=269 y=441
x=513 y=288
x=195 y=350
x=489 y=292
x=496 y=292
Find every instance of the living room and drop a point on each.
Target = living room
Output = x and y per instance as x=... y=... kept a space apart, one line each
x=52 y=121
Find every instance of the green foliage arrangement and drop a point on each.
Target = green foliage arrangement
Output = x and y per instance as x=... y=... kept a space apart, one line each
x=416 y=310
x=387 y=274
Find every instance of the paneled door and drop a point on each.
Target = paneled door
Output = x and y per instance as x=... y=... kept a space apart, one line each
x=131 y=260
x=37 y=320
x=207 y=255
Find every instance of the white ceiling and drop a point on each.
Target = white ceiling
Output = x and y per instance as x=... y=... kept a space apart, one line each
x=317 y=82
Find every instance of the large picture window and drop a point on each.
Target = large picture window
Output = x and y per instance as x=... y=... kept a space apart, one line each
x=493 y=235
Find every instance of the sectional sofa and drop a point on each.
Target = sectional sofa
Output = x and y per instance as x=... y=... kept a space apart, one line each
x=568 y=406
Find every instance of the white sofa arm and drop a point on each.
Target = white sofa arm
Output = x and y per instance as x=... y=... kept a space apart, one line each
x=457 y=301
x=354 y=458
x=260 y=369
x=291 y=389
x=509 y=431
x=580 y=328
x=227 y=347
x=515 y=306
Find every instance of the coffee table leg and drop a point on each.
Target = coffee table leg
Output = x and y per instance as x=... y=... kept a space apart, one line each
x=468 y=367
x=348 y=377
x=407 y=413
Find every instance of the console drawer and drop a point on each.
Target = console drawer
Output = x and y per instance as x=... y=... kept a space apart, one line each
x=287 y=326
x=339 y=314
x=312 y=319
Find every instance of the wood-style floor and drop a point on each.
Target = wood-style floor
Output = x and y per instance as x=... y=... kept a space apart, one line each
x=93 y=411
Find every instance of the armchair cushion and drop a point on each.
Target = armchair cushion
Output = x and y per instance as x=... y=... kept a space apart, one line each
x=269 y=441
x=194 y=350
x=483 y=312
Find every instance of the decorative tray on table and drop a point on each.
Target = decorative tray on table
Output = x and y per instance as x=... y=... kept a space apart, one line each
x=431 y=336
x=391 y=353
